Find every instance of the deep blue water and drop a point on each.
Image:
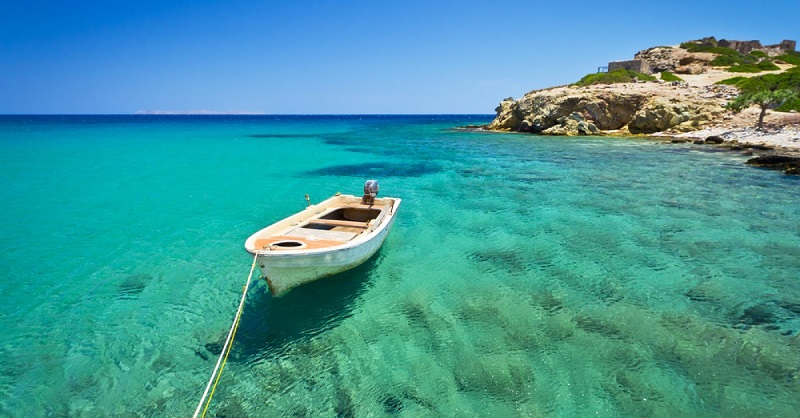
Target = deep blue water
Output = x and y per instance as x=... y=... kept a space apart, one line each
x=525 y=276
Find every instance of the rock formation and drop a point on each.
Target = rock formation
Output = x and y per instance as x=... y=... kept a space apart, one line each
x=636 y=108
x=788 y=164
x=662 y=58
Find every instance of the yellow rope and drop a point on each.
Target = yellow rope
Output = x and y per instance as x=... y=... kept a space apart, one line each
x=223 y=357
x=225 y=360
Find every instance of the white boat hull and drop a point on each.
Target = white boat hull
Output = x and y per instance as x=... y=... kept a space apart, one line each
x=285 y=269
x=286 y=272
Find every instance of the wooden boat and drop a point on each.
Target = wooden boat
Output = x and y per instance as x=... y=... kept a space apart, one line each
x=330 y=237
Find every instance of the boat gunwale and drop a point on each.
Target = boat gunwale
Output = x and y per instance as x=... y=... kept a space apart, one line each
x=388 y=219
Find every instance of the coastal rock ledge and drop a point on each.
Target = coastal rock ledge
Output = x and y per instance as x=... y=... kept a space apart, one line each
x=630 y=108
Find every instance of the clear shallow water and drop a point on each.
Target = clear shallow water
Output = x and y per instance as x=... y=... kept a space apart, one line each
x=524 y=276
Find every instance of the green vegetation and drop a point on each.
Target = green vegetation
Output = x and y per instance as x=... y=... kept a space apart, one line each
x=769 y=91
x=768 y=65
x=746 y=68
x=765 y=99
x=791 y=104
x=789 y=79
x=733 y=81
x=613 y=77
x=668 y=76
x=765 y=65
x=735 y=59
x=754 y=62
x=791 y=57
x=721 y=50
x=708 y=47
x=695 y=47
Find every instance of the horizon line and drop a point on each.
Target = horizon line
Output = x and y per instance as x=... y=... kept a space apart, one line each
x=245 y=114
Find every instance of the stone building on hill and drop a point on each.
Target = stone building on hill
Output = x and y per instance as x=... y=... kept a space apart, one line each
x=631 y=65
x=680 y=60
x=745 y=47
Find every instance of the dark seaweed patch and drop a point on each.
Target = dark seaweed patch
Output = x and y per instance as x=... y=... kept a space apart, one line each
x=377 y=169
x=770 y=315
x=608 y=293
x=345 y=407
x=792 y=307
x=133 y=285
x=758 y=315
x=392 y=405
x=215 y=347
x=509 y=261
x=549 y=303
x=597 y=326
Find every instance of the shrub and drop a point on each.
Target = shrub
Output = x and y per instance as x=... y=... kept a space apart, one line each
x=733 y=81
x=789 y=106
x=721 y=50
x=791 y=57
x=748 y=59
x=613 y=77
x=696 y=47
x=788 y=80
x=744 y=68
x=728 y=60
x=668 y=76
x=767 y=65
x=724 y=61
x=759 y=54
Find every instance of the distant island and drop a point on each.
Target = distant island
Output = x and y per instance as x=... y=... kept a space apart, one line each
x=740 y=94
x=196 y=112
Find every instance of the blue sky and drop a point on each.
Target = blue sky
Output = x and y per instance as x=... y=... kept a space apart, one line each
x=338 y=56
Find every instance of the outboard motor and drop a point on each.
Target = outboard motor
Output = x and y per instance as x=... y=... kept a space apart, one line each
x=370 y=191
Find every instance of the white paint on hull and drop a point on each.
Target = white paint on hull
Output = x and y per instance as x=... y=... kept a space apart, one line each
x=286 y=269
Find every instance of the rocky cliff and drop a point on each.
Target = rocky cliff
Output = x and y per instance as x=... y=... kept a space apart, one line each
x=635 y=108
x=641 y=107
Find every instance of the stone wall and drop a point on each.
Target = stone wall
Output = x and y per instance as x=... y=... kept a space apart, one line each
x=745 y=47
x=787 y=45
x=742 y=46
x=632 y=65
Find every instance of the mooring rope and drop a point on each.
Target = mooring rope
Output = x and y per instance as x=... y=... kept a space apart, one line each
x=223 y=356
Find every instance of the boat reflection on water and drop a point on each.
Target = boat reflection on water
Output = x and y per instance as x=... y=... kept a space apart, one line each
x=271 y=326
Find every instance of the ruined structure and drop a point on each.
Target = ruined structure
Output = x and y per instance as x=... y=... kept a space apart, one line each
x=745 y=47
x=632 y=65
x=680 y=60
x=788 y=45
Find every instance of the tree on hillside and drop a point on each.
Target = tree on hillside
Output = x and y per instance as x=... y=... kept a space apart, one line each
x=765 y=99
x=768 y=92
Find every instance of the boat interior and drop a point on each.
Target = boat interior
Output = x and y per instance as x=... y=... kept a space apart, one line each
x=331 y=228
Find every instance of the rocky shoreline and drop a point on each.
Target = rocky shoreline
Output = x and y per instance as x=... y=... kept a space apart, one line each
x=672 y=112
x=775 y=147
x=690 y=109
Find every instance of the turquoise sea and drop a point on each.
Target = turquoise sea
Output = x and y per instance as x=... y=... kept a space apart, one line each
x=525 y=276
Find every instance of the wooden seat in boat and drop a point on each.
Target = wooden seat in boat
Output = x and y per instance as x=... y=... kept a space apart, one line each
x=336 y=222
